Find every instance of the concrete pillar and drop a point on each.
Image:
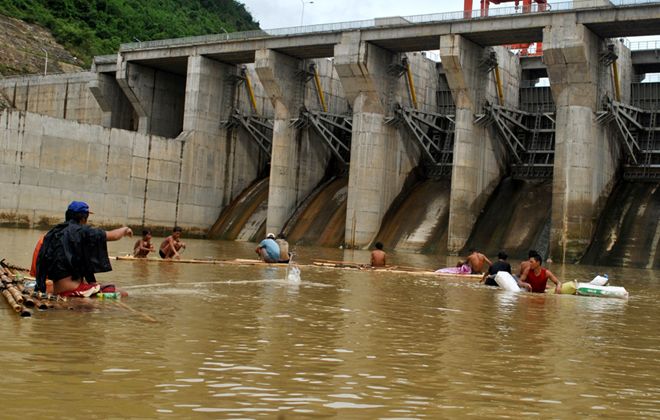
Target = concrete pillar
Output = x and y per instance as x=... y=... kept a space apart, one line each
x=277 y=73
x=380 y=160
x=156 y=96
x=290 y=182
x=117 y=110
x=207 y=102
x=216 y=164
x=586 y=154
x=479 y=159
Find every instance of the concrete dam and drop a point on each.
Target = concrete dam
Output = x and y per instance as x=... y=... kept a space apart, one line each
x=347 y=134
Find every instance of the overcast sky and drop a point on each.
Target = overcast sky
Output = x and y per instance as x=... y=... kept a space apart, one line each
x=285 y=13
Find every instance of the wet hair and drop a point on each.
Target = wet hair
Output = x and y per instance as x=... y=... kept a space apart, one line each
x=471 y=250
x=281 y=236
x=177 y=229
x=379 y=245
x=75 y=216
x=146 y=232
x=537 y=257
x=502 y=255
x=531 y=253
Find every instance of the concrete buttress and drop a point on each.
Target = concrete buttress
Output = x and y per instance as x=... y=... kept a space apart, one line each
x=157 y=97
x=280 y=76
x=478 y=159
x=586 y=153
x=117 y=111
x=380 y=160
x=216 y=163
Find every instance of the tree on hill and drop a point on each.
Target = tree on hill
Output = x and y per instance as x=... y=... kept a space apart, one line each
x=96 y=27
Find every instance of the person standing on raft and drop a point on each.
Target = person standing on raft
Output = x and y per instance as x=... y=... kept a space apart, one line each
x=535 y=279
x=72 y=252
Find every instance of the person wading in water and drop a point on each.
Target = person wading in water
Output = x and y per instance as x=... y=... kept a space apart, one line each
x=535 y=279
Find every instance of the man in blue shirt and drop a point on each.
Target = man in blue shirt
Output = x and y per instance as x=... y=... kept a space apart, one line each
x=268 y=249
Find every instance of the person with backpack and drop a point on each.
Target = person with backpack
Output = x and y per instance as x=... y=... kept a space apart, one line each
x=73 y=252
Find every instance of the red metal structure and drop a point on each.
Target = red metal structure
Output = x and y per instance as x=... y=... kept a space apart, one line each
x=526 y=8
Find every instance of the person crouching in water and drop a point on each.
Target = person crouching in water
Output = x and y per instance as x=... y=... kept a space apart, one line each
x=285 y=255
x=378 y=256
x=535 y=279
x=268 y=250
x=143 y=246
x=72 y=252
x=172 y=246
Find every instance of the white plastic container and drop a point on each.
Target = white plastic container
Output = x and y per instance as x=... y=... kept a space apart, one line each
x=589 y=289
x=506 y=281
x=600 y=280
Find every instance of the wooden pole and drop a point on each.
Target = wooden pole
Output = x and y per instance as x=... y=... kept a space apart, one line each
x=135 y=311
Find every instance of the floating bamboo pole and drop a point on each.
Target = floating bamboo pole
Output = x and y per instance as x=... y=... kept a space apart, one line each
x=135 y=311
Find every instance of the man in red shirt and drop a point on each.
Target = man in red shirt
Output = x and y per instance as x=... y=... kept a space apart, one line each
x=535 y=279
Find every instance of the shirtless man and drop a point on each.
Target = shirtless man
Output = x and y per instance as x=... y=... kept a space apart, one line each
x=476 y=261
x=378 y=256
x=535 y=278
x=285 y=255
x=143 y=246
x=171 y=246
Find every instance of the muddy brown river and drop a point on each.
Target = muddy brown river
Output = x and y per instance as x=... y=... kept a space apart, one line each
x=243 y=342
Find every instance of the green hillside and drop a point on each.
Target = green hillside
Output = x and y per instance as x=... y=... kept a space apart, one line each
x=96 y=27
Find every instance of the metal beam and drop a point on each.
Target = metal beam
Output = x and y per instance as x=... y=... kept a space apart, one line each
x=326 y=125
x=260 y=129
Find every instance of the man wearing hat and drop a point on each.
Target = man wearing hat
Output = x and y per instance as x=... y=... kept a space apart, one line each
x=72 y=252
x=268 y=249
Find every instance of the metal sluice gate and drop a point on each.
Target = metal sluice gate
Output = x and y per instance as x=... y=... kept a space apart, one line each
x=528 y=136
x=639 y=130
x=334 y=129
x=259 y=128
x=434 y=134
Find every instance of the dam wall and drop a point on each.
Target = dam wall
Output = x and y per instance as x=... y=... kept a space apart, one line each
x=218 y=114
x=128 y=178
x=185 y=178
x=64 y=96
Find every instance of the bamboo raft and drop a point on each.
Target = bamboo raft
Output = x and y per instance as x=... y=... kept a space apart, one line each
x=320 y=263
x=22 y=299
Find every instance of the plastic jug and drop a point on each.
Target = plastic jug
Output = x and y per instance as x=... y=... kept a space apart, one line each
x=599 y=280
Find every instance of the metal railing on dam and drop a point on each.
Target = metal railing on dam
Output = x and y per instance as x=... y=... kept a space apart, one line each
x=375 y=23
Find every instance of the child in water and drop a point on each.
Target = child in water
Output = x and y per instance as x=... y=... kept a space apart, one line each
x=378 y=256
x=143 y=246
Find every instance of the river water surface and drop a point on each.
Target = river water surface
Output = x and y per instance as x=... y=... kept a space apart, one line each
x=243 y=342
